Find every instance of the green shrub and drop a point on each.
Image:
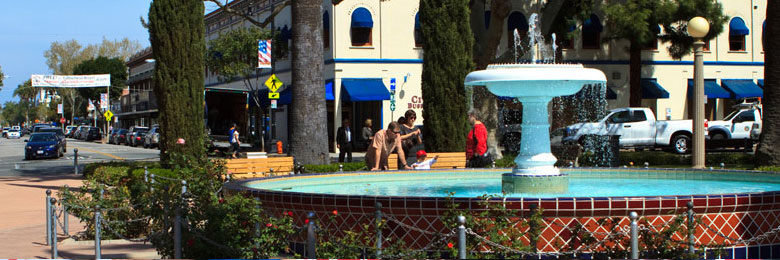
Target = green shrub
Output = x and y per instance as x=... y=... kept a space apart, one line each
x=768 y=169
x=334 y=167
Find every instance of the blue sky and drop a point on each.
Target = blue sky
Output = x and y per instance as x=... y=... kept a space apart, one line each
x=28 y=27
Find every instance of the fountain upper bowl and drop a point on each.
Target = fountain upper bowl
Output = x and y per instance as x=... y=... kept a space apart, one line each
x=535 y=80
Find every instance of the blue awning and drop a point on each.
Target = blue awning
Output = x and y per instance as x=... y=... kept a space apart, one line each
x=761 y=83
x=593 y=24
x=743 y=88
x=711 y=89
x=329 y=91
x=362 y=89
x=517 y=21
x=417 y=21
x=737 y=27
x=361 y=18
x=651 y=89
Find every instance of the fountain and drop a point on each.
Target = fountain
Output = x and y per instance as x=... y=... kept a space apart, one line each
x=535 y=85
x=743 y=204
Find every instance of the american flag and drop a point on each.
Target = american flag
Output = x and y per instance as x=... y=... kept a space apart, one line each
x=264 y=54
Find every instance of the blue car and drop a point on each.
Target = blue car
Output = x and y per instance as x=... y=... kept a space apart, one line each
x=42 y=145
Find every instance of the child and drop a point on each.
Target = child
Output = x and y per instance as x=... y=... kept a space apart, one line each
x=422 y=163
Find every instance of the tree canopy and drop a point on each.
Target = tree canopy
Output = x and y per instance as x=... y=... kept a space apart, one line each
x=103 y=65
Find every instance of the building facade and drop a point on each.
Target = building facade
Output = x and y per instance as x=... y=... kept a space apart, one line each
x=138 y=107
x=373 y=62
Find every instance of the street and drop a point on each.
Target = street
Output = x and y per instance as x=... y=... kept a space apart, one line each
x=12 y=162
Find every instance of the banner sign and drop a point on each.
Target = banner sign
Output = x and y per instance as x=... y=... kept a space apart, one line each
x=71 y=81
x=264 y=54
x=90 y=106
x=103 y=101
x=59 y=108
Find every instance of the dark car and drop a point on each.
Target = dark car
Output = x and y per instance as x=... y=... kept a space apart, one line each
x=117 y=136
x=41 y=145
x=37 y=127
x=77 y=134
x=60 y=136
x=136 y=138
x=93 y=133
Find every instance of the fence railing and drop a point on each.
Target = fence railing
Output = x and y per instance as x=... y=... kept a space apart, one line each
x=57 y=212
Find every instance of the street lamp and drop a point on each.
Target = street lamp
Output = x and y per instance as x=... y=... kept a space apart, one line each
x=698 y=27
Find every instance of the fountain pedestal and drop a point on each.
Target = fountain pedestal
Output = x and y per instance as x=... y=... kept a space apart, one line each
x=535 y=85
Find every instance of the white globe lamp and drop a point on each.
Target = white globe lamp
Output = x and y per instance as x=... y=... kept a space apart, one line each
x=698 y=27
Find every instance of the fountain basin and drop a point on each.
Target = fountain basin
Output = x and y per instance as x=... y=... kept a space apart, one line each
x=740 y=204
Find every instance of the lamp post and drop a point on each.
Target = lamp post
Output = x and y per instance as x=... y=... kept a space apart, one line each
x=698 y=27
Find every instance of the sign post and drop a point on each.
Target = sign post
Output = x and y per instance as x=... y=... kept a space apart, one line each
x=392 y=96
x=273 y=83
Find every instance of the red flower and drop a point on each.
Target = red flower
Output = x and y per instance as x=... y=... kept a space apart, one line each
x=221 y=201
x=269 y=225
x=307 y=221
x=335 y=212
x=450 y=245
x=289 y=213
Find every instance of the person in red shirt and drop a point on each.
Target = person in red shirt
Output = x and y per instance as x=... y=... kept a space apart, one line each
x=476 y=143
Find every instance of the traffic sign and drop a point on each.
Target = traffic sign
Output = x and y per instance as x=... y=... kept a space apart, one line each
x=273 y=104
x=273 y=83
x=62 y=120
x=392 y=106
x=273 y=95
x=108 y=115
x=392 y=84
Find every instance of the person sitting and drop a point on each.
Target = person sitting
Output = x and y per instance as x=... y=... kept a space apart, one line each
x=423 y=164
x=385 y=142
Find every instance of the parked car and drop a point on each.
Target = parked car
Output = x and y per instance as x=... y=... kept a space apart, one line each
x=637 y=128
x=16 y=134
x=136 y=138
x=77 y=134
x=131 y=131
x=5 y=131
x=60 y=136
x=741 y=124
x=117 y=136
x=152 y=138
x=36 y=127
x=69 y=129
x=94 y=133
x=42 y=145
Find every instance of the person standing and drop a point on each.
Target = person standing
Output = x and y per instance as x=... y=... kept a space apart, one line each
x=367 y=135
x=410 y=134
x=385 y=142
x=476 y=143
x=344 y=141
x=235 y=143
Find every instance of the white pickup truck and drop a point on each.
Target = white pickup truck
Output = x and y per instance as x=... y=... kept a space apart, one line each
x=637 y=129
x=740 y=124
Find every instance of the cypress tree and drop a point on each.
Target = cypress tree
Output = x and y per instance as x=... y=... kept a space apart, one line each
x=176 y=31
x=448 y=59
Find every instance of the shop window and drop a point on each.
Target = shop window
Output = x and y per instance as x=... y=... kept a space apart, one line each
x=591 y=33
x=361 y=27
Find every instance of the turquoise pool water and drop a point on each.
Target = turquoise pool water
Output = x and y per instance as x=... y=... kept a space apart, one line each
x=581 y=184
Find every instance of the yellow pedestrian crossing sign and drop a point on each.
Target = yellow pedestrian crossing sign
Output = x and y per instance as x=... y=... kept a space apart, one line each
x=273 y=83
x=273 y=95
x=108 y=115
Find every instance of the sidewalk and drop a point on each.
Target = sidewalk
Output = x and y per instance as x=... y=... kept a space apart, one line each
x=23 y=221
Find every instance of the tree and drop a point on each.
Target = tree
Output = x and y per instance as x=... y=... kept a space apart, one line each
x=767 y=153
x=62 y=57
x=102 y=65
x=446 y=63
x=637 y=20
x=308 y=109
x=2 y=76
x=176 y=31
x=26 y=94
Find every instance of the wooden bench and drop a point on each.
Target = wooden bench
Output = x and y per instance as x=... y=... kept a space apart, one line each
x=445 y=161
x=260 y=167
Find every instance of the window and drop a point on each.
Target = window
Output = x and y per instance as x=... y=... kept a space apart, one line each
x=362 y=27
x=325 y=30
x=737 y=32
x=638 y=116
x=747 y=116
x=620 y=117
x=418 y=41
x=591 y=33
x=516 y=21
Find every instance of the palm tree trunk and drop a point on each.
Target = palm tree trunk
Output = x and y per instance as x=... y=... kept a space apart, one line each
x=768 y=152
x=309 y=116
x=635 y=75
